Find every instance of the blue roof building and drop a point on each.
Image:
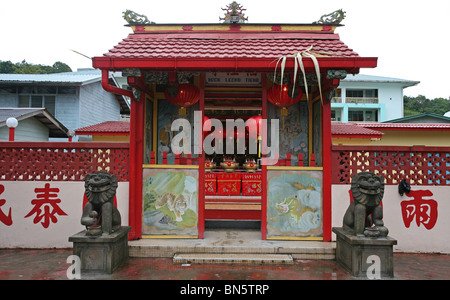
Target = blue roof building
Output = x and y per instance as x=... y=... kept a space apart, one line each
x=76 y=99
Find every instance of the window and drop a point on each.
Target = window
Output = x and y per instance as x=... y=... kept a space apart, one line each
x=363 y=115
x=373 y=93
x=355 y=115
x=67 y=90
x=38 y=101
x=336 y=115
x=42 y=96
x=355 y=93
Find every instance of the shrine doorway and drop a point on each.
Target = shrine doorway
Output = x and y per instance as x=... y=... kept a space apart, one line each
x=233 y=179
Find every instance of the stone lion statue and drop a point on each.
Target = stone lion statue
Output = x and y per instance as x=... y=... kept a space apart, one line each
x=100 y=189
x=364 y=215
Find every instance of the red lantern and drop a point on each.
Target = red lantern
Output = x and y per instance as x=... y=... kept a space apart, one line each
x=183 y=95
x=258 y=121
x=281 y=96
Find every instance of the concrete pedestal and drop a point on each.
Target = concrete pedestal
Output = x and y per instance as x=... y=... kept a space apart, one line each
x=102 y=254
x=352 y=253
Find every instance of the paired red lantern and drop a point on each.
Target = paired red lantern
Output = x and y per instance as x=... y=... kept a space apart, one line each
x=183 y=95
x=281 y=96
x=258 y=121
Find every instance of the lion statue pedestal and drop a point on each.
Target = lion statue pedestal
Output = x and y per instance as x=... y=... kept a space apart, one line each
x=103 y=246
x=363 y=246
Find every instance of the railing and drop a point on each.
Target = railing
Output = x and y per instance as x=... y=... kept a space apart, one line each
x=186 y=159
x=180 y=159
x=301 y=162
x=61 y=161
x=356 y=100
x=418 y=165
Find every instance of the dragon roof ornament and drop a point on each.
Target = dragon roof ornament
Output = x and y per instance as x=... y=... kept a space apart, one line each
x=333 y=18
x=133 y=18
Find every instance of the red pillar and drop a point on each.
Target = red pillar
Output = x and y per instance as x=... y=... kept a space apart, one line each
x=11 y=134
x=135 y=166
x=326 y=163
x=201 y=162
x=264 y=167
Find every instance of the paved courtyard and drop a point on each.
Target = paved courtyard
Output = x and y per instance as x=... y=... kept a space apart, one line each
x=50 y=264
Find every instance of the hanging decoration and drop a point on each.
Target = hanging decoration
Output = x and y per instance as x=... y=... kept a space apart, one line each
x=182 y=95
x=258 y=121
x=298 y=63
x=283 y=96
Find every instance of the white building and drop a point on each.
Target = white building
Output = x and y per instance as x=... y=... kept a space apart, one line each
x=366 y=98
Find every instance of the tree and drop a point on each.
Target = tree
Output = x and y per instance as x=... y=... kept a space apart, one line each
x=420 y=104
x=24 y=67
x=59 y=67
x=6 y=67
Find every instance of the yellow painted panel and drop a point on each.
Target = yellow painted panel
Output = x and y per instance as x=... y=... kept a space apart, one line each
x=111 y=138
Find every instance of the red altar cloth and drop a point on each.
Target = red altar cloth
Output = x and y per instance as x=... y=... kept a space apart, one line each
x=251 y=185
x=228 y=184
x=210 y=184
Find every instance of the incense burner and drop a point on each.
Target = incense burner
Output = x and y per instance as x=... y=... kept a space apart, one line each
x=209 y=165
x=229 y=165
x=250 y=166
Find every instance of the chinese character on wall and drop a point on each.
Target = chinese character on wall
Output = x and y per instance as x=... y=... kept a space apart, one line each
x=46 y=206
x=424 y=211
x=4 y=218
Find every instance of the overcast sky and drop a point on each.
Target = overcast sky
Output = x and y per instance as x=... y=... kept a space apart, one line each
x=409 y=37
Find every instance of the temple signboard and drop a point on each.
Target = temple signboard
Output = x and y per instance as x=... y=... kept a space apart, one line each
x=233 y=78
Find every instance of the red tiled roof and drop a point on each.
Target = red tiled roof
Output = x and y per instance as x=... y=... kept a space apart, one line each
x=225 y=49
x=407 y=126
x=367 y=130
x=351 y=130
x=108 y=127
x=223 y=46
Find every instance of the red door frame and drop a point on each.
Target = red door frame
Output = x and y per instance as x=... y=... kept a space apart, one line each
x=136 y=161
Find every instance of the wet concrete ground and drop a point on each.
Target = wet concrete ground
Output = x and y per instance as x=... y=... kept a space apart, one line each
x=50 y=264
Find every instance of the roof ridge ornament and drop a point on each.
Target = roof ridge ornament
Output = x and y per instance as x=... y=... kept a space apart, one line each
x=234 y=13
x=133 y=18
x=333 y=18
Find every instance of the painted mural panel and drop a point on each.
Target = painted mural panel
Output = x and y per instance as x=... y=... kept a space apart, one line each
x=294 y=204
x=170 y=202
x=294 y=134
x=317 y=132
x=148 y=133
x=167 y=113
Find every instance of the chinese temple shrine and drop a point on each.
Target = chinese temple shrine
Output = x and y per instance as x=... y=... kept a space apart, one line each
x=189 y=82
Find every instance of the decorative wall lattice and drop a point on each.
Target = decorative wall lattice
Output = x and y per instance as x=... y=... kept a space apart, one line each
x=418 y=165
x=61 y=161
